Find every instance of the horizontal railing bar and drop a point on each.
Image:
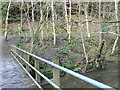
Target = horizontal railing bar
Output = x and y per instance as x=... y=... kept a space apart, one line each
x=79 y=76
x=27 y=72
x=53 y=84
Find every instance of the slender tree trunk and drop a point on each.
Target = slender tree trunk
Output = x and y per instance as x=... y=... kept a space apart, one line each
x=41 y=19
x=30 y=28
x=41 y=23
x=6 y=22
x=66 y=15
x=83 y=43
x=47 y=17
x=47 y=21
x=86 y=15
x=103 y=11
x=101 y=34
x=79 y=14
x=99 y=9
x=70 y=17
x=116 y=15
x=21 y=17
x=33 y=19
x=92 y=4
x=100 y=61
x=84 y=49
x=53 y=20
x=68 y=20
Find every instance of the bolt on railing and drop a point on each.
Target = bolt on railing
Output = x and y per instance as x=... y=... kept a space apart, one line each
x=56 y=71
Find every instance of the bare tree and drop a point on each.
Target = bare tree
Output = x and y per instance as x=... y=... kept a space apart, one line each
x=47 y=16
x=79 y=10
x=47 y=20
x=66 y=15
x=30 y=28
x=41 y=21
x=92 y=4
x=86 y=15
x=116 y=15
x=70 y=17
x=83 y=43
x=53 y=22
x=33 y=19
x=21 y=17
x=6 y=22
x=84 y=49
x=101 y=34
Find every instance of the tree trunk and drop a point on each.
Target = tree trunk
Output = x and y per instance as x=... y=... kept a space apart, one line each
x=47 y=17
x=47 y=22
x=21 y=29
x=116 y=15
x=86 y=15
x=70 y=17
x=53 y=20
x=30 y=28
x=6 y=22
x=41 y=23
x=66 y=15
x=101 y=34
x=33 y=19
x=84 y=49
x=79 y=14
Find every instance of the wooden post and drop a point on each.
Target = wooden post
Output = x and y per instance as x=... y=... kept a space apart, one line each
x=14 y=49
x=56 y=73
x=27 y=59
x=37 y=76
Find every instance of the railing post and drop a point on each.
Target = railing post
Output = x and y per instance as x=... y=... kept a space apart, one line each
x=56 y=73
x=37 y=76
x=14 y=49
x=27 y=59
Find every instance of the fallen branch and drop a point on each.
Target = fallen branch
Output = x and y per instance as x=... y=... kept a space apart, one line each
x=106 y=33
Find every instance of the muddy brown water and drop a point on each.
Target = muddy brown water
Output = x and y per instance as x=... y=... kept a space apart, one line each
x=108 y=76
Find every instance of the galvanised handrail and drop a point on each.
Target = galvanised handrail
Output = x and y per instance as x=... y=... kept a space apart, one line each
x=27 y=72
x=79 y=76
x=53 y=84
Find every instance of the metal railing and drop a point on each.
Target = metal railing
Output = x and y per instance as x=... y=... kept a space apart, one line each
x=56 y=74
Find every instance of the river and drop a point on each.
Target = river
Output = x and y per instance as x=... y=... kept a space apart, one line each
x=108 y=76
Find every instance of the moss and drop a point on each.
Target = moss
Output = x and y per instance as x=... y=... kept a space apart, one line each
x=46 y=72
x=24 y=64
x=112 y=58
